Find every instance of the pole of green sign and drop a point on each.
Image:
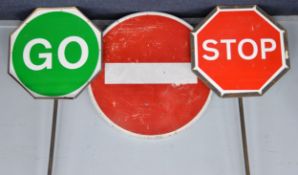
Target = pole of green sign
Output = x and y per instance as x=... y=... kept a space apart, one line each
x=54 y=54
x=53 y=137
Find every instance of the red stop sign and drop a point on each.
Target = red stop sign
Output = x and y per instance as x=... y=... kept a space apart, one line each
x=239 y=51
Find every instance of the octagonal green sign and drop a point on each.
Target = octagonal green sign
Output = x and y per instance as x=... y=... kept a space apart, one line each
x=55 y=53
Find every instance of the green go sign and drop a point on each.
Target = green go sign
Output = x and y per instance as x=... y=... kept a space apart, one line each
x=55 y=53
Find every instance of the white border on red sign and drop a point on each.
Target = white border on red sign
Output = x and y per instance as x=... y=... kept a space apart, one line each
x=36 y=13
x=98 y=109
x=208 y=80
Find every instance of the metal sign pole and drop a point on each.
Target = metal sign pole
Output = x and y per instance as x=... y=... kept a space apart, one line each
x=55 y=85
x=243 y=134
x=53 y=135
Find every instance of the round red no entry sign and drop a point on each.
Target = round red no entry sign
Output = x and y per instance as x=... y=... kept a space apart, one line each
x=147 y=86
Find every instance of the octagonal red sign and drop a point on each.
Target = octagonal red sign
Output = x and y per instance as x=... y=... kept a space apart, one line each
x=239 y=51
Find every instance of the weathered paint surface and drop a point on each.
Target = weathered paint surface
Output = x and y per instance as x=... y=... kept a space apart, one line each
x=149 y=102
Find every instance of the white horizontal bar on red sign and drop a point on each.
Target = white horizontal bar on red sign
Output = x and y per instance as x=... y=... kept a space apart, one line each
x=149 y=73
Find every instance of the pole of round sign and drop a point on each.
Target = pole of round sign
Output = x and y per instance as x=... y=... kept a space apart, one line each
x=55 y=62
x=243 y=60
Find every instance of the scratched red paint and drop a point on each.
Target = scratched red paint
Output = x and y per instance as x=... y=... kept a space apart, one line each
x=148 y=109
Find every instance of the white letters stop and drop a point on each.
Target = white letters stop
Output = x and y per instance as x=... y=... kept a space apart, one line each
x=266 y=45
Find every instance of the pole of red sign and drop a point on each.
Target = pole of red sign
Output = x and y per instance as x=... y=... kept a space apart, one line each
x=243 y=134
x=53 y=137
x=245 y=60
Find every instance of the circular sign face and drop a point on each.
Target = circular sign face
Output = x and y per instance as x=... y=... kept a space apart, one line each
x=147 y=87
x=55 y=52
x=239 y=51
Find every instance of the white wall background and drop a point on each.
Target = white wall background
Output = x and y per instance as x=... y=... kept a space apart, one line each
x=87 y=144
